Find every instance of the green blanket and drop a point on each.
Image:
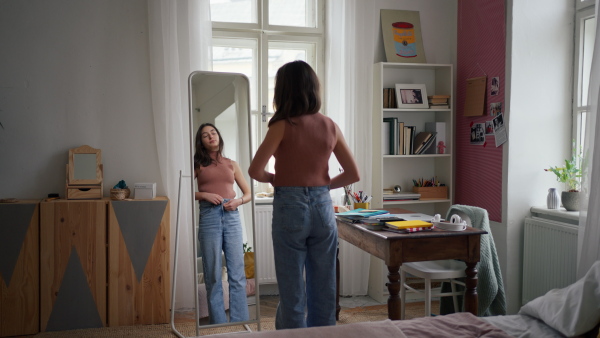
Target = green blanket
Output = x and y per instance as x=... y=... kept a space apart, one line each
x=490 y=289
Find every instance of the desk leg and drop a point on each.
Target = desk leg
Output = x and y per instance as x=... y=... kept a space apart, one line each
x=471 y=291
x=338 y=308
x=394 y=289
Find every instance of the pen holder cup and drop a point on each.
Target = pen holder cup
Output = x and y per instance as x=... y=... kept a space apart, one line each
x=362 y=205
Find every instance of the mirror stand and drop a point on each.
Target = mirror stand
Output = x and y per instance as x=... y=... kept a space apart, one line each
x=223 y=100
x=84 y=174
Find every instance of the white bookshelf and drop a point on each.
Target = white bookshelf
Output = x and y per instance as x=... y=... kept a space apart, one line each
x=391 y=170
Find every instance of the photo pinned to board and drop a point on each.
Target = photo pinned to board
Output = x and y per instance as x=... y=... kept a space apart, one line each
x=489 y=127
x=499 y=130
x=495 y=86
x=478 y=133
x=495 y=108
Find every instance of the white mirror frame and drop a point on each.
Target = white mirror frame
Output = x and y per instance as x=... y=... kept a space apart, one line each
x=192 y=134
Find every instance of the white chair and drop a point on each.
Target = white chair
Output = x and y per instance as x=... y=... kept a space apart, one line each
x=444 y=270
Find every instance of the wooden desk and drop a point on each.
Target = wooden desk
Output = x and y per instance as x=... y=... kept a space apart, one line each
x=395 y=249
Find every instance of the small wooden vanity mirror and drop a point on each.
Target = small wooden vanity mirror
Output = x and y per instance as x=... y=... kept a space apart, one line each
x=84 y=173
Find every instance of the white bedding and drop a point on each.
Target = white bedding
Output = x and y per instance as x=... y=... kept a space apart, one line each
x=567 y=312
x=522 y=326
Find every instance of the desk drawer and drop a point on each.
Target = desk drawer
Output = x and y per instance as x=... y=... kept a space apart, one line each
x=84 y=193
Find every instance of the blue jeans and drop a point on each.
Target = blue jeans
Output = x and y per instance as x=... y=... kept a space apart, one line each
x=304 y=243
x=221 y=231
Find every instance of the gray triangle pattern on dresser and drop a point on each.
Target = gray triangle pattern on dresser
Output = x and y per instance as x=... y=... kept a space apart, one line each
x=139 y=222
x=74 y=307
x=14 y=223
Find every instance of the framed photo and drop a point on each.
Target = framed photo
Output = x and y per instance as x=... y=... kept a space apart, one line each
x=411 y=96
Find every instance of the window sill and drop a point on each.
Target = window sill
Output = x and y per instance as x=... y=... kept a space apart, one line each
x=263 y=200
x=559 y=215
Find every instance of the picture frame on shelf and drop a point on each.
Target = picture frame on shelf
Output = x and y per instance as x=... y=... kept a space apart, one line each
x=411 y=96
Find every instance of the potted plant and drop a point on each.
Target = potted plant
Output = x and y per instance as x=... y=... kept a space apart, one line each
x=248 y=261
x=570 y=175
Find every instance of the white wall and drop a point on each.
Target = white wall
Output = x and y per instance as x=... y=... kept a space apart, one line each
x=539 y=77
x=74 y=73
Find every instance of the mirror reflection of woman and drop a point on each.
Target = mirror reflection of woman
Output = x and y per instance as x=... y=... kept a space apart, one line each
x=220 y=229
x=304 y=230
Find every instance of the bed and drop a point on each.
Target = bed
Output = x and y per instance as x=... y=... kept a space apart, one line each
x=573 y=311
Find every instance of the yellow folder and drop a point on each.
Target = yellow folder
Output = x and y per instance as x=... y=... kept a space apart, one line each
x=409 y=224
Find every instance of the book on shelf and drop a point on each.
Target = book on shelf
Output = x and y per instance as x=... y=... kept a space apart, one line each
x=439 y=128
x=401 y=196
x=438 y=97
x=393 y=136
x=389 y=98
x=385 y=138
x=409 y=132
x=422 y=139
x=400 y=138
x=439 y=106
x=386 y=94
x=438 y=101
x=427 y=146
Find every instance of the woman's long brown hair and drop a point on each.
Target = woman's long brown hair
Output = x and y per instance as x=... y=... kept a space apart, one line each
x=297 y=91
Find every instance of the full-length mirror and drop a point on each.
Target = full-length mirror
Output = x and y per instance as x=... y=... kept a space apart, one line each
x=223 y=207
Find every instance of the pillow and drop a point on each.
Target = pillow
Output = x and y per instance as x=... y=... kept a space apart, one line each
x=572 y=310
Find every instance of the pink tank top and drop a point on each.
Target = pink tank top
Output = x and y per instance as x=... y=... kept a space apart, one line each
x=217 y=179
x=302 y=158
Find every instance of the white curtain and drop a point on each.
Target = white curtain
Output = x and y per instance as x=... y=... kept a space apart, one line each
x=589 y=222
x=348 y=102
x=180 y=35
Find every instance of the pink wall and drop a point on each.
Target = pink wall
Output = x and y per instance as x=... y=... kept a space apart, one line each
x=481 y=50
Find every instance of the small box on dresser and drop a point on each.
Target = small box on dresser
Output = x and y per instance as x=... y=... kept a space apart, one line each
x=144 y=191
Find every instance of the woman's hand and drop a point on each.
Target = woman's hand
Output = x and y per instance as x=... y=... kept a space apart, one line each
x=212 y=198
x=233 y=204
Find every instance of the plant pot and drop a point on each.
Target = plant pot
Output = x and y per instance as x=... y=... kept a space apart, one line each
x=570 y=200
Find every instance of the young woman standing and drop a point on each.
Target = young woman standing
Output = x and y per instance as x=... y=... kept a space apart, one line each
x=304 y=228
x=220 y=229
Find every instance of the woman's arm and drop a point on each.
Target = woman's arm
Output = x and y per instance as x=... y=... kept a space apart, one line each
x=244 y=186
x=344 y=156
x=265 y=151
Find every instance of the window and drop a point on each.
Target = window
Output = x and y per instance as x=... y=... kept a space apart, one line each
x=585 y=31
x=256 y=37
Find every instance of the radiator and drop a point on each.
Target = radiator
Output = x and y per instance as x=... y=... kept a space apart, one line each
x=264 y=244
x=549 y=256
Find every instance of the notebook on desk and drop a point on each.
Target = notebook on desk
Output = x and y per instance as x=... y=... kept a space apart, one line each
x=414 y=217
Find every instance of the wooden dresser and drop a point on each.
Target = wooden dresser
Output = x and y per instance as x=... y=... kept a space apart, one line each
x=138 y=262
x=104 y=263
x=19 y=268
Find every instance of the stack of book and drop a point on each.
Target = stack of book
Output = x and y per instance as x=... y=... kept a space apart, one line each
x=389 y=98
x=409 y=226
x=400 y=196
x=438 y=101
x=359 y=214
